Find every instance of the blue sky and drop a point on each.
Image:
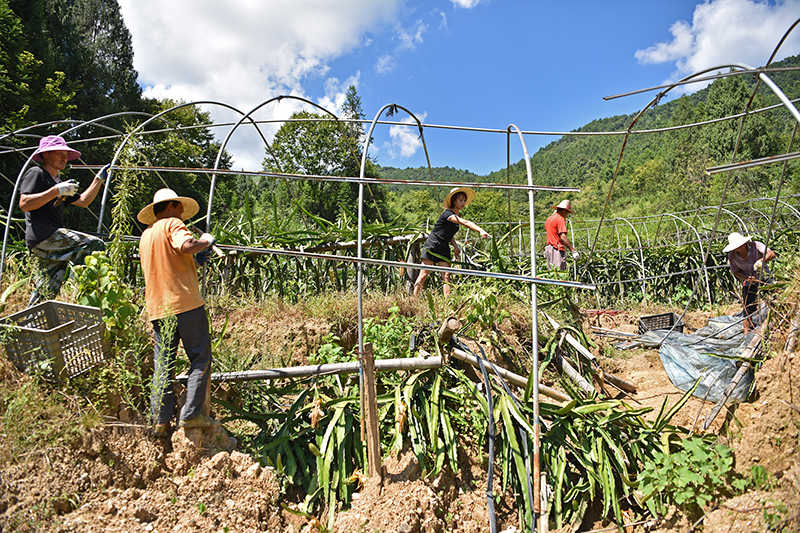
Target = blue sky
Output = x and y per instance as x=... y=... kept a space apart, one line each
x=543 y=66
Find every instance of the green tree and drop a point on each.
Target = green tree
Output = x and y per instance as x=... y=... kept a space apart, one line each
x=317 y=145
x=88 y=41
x=103 y=63
x=23 y=99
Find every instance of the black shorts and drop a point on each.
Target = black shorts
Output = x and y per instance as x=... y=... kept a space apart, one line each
x=443 y=251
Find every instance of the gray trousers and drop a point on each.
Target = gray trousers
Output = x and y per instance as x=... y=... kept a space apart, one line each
x=53 y=255
x=192 y=329
x=556 y=259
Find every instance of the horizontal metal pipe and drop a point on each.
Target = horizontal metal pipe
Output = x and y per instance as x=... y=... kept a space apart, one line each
x=753 y=163
x=399 y=264
x=381 y=365
x=709 y=77
x=338 y=179
x=509 y=376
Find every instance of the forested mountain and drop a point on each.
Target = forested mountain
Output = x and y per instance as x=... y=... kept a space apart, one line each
x=659 y=172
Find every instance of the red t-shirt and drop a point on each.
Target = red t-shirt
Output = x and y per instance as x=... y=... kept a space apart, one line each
x=555 y=225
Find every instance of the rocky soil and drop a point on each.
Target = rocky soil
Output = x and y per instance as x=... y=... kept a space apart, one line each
x=119 y=477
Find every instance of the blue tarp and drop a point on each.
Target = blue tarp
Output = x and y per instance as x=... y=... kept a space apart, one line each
x=710 y=354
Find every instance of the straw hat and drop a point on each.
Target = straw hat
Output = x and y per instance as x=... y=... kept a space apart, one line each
x=735 y=240
x=466 y=190
x=190 y=206
x=566 y=205
x=52 y=143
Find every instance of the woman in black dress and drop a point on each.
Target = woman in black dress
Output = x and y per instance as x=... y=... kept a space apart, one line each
x=437 y=245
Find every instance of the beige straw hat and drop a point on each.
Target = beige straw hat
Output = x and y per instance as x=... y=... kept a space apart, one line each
x=190 y=206
x=566 y=205
x=466 y=190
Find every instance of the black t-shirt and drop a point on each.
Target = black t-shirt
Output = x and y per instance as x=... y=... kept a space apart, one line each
x=43 y=222
x=442 y=233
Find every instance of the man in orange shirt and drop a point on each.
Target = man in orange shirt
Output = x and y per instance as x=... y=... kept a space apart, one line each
x=557 y=240
x=175 y=306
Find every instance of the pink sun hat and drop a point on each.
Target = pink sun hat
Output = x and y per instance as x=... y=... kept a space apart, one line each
x=52 y=143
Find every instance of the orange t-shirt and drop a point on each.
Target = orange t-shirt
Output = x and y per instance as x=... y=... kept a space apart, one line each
x=170 y=276
x=555 y=225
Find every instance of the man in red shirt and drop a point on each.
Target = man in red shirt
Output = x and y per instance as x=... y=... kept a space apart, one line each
x=557 y=240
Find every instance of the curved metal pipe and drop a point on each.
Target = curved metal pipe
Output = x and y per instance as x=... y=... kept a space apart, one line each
x=535 y=331
x=247 y=116
x=641 y=254
x=782 y=97
x=652 y=103
x=133 y=132
x=703 y=262
x=362 y=176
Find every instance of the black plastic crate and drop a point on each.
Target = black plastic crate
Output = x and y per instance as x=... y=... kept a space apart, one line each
x=662 y=321
x=58 y=339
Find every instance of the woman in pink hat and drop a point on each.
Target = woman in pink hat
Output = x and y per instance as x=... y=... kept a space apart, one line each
x=437 y=245
x=42 y=198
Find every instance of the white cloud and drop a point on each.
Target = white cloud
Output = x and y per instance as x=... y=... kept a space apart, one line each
x=442 y=23
x=336 y=92
x=724 y=32
x=405 y=141
x=385 y=64
x=242 y=52
x=465 y=4
x=409 y=39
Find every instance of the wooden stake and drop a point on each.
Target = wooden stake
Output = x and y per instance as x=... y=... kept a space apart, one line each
x=449 y=327
x=371 y=415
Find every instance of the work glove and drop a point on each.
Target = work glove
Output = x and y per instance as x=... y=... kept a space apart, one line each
x=201 y=258
x=757 y=265
x=209 y=239
x=575 y=255
x=104 y=173
x=67 y=188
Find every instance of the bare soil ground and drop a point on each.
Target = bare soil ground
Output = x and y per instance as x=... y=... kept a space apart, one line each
x=118 y=477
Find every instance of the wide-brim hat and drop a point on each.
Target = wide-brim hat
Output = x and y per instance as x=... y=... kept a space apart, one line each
x=566 y=205
x=52 y=143
x=455 y=190
x=735 y=240
x=190 y=206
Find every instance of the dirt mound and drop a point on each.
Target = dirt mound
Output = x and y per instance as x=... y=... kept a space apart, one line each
x=764 y=432
x=118 y=477
x=407 y=503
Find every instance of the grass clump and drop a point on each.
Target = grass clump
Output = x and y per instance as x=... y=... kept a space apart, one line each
x=36 y=417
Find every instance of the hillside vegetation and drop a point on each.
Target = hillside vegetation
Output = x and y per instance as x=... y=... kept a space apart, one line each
x=659 y=172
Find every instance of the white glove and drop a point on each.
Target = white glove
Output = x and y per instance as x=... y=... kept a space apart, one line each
x=575 y=255
x=67 y=188
x=757 y=265
x=209 y=239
